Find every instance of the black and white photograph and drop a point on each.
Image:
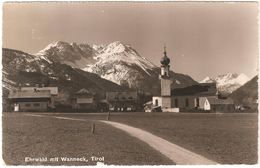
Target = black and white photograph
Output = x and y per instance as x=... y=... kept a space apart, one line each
x=129 y=83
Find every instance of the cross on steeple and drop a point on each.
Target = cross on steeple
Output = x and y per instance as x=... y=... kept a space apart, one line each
x=164 y=50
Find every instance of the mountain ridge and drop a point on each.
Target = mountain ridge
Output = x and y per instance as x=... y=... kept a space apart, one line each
x=227 y=83
x=117 y=62
x=22 y=68
x=247 y=94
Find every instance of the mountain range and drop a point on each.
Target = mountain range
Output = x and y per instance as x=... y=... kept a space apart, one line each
x=116 y=62
x=23 y=69
x=98 y=68
x=75 y=66
x=227 y=83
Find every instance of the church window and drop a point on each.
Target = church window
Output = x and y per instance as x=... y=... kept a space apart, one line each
x=187 y=102
x=36 y=104
x=176 y=102
x=197 y=102
x=27 y=105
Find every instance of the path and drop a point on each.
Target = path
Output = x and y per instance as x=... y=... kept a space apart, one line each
x=177 y=154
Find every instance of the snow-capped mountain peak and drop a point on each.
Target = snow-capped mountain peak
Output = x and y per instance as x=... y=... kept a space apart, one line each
x=115 y=61
x=56 y=44
x=227 y=83
x=232 y=78
x=115 y=47
x=207 y=80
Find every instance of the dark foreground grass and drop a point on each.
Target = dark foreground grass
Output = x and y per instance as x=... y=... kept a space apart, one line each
x=27 y=136
x=225 y=138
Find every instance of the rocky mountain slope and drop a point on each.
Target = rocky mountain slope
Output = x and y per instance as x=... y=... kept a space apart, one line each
x=227 y=83
x=115 y=62
x=247 y=94
x=23 y=69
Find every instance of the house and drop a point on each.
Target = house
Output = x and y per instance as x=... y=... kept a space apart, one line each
x=53 y=91
x=83 y=100
x=215 y=104
x=122 y=100
x=30 y=100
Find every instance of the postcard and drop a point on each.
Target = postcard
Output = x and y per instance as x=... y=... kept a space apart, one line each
x=130 y=83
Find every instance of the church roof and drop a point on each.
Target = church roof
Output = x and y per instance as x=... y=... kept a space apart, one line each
x=165 y=60
x=202 y=89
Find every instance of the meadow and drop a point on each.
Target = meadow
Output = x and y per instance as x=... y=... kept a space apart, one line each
x=226 y=138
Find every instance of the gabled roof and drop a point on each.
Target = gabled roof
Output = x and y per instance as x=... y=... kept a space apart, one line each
x=220 y=101
x=29 y=94
x=202 y=89
x=84 y=92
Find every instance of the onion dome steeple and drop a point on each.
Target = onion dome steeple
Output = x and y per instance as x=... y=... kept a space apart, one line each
x=165 y=60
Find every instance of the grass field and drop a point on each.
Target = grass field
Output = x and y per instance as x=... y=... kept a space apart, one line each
x=225 y=138
x=27 y=136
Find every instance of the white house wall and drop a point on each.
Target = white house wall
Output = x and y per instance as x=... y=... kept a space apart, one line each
x=206 y=105
x=30 y=106
x=159 y=99
x=84 y=100
x=202 y=101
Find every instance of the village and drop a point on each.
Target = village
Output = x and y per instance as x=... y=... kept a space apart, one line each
x=202 y=97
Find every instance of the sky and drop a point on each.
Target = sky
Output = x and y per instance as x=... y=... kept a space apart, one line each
x=202 y=38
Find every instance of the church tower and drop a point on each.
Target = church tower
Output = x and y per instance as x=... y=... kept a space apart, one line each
x=165 y=81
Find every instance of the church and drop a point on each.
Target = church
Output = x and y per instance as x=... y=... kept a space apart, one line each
x=198 y=97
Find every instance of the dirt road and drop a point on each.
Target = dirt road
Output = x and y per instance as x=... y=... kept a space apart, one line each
x=176 y=153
